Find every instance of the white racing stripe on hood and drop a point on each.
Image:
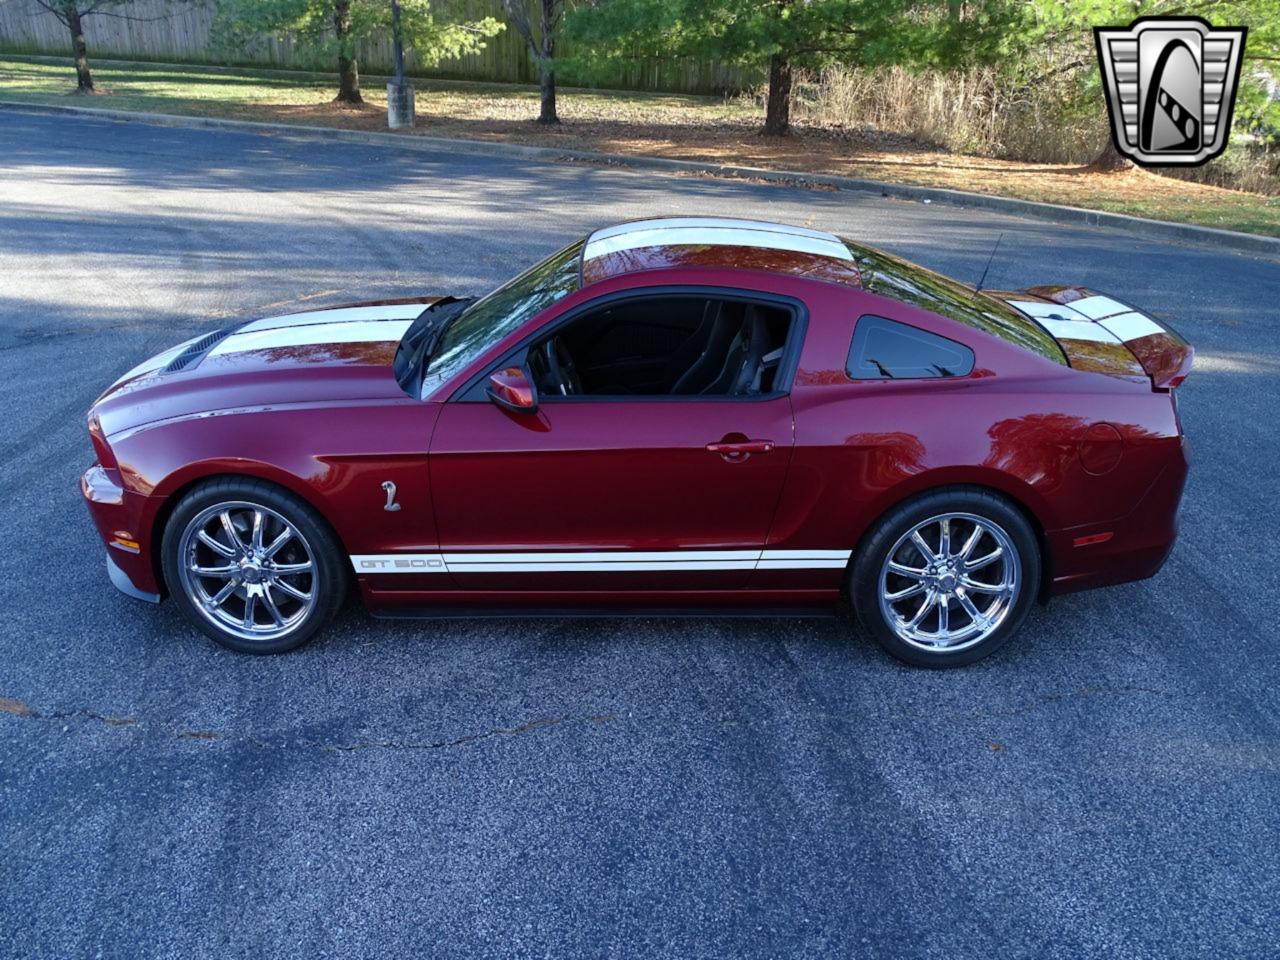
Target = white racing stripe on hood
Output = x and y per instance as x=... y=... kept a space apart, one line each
x=158 y=361
x=399 y=311
x=352 y=331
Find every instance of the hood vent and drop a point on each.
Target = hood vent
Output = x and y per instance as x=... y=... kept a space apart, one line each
x=194 y=353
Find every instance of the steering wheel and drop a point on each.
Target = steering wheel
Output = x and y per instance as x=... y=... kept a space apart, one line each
x=563 y=372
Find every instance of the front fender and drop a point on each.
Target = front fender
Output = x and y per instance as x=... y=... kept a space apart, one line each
x=336 y=459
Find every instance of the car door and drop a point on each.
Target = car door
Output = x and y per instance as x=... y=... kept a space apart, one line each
x=609 y=493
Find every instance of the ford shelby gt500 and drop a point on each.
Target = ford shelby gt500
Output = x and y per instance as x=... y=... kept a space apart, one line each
x=683 y=413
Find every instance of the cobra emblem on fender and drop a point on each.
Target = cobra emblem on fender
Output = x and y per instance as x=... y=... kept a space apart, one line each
x=390 y=488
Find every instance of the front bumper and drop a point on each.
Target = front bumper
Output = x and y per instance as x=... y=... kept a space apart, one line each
x=120 y=580
x=122 y=516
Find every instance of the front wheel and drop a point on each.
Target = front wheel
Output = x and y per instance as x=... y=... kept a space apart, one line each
x=252 y=565
x=947 y=578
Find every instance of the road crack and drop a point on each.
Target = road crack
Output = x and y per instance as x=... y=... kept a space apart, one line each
x=16 y=708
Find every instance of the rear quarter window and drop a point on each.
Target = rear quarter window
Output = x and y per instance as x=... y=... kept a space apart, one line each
x=914 y=285
x=887 y=350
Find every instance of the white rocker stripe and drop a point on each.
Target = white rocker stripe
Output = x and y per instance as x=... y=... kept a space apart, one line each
x=589 y=566
x=613 y=561
x=803 y=559
x=609 y=556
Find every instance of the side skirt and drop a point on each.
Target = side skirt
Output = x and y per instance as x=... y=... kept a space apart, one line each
x=605 y=613
x=407 y=604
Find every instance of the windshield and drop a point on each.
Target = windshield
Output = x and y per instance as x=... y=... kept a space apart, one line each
x=494 y=316
x=909 y=283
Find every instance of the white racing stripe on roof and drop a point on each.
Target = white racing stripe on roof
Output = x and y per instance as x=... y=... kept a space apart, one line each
x=699 y=231
x=663 y=223
x=354 y=331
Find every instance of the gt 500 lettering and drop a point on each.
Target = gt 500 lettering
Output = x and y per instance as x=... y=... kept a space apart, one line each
x=406 y=563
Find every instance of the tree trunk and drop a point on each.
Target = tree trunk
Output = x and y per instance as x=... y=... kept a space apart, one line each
x=84 y=79
x=348 y=80
x=348 y=68
x=546 y=74
x=547 y=81
x=777 y=117
x=1110 y=160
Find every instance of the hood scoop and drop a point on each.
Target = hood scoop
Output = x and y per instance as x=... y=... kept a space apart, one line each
x=196 y=352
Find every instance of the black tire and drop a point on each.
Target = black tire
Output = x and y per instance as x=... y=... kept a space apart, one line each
x=885 y=536
x=329 y=579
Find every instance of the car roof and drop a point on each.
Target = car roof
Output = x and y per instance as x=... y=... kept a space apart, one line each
x=716 y=242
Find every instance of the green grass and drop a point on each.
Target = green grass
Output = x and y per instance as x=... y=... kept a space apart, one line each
x=679 y=126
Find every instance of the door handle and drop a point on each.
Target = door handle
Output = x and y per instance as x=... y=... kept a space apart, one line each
x=736 y=451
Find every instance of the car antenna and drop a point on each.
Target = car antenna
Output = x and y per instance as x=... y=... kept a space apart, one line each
x=982 y=279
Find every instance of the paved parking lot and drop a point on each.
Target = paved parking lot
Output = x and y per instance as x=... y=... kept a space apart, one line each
x=1105 y=786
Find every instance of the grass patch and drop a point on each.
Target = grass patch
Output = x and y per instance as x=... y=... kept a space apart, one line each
x=664 y=125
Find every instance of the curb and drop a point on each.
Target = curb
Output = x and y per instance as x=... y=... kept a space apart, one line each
x=1231 y=240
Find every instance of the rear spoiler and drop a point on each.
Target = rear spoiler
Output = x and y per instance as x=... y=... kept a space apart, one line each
x=1105 y=335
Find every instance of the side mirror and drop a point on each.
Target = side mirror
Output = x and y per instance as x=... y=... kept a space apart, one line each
x=512 y=390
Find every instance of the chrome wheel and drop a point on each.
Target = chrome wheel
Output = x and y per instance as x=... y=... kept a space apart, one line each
x=248 y=570
x=950 y=582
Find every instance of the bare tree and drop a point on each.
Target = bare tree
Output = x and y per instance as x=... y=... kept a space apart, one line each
x=542 y=46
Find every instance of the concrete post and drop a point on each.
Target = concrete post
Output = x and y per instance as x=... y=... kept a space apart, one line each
x=399 y=90
x=399 y=104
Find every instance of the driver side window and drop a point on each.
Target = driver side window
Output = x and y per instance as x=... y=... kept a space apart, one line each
x=682 y=345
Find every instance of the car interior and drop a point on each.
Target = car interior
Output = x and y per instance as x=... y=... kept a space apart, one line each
x=665 y=346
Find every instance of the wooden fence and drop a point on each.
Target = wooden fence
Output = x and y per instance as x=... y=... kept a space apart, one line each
x=179 y=32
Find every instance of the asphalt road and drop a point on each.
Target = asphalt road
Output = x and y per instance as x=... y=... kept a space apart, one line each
x=1105 y=786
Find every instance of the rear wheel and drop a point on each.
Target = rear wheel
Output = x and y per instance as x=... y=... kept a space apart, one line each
x=947 y=578
x=252 y=565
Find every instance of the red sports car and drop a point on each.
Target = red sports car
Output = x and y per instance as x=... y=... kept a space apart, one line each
x=682 y=413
